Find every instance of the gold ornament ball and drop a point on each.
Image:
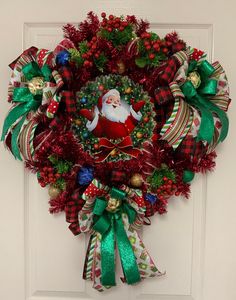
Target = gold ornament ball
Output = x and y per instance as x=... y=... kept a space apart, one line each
x=128 y=90
x=121 y=67
x=36 y=85
x=136 y=180
x=53 y=192
x=139 y=135
x=195 y=78
x=77 y=122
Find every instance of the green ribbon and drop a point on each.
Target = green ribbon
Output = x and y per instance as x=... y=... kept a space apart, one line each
x=111 y=228
x=26 y=102
x=200 y=98
x=32 y=70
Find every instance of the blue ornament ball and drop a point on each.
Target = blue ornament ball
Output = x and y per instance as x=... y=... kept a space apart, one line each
x=83 y=100
x=63 y=57
x=85 y=176
x=151 y=198
x=85 y=135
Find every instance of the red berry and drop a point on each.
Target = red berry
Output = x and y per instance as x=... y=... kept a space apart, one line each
x=94 y=46
x=111 y=17
x=170 y=181
x=177 y=193
x=151 y=55
x=96 y=55
x=121 y=28
x=148 y=47
x=109 y=29
x=84 y=55
x=94 y=39
x=103 y=24
x=156 y=47
x=147 y=35
x=164 y=50
x=86 y=63
x=165 y=178
x=103 y=15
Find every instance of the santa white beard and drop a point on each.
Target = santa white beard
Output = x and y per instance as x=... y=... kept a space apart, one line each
x=116 y=114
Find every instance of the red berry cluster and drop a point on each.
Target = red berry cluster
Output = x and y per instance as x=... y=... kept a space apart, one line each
x=47 y=175
x=167 y=189
x=113 y=23
x=92 y=53
x=197 y=54
x=153 y=46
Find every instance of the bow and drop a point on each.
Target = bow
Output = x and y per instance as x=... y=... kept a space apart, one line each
x=108 y=222
x=109 y=148
x=34 y=88
x=198 y=90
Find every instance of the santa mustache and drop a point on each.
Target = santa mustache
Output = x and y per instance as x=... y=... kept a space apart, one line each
x=116 y=113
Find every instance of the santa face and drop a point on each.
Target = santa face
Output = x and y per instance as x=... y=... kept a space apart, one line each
x=113 y=100
x=114 y=109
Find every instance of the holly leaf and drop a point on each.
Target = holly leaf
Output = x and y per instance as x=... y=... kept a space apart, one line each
x=141 y=62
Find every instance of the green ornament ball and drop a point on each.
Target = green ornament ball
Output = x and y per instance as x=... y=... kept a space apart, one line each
x=188 y=176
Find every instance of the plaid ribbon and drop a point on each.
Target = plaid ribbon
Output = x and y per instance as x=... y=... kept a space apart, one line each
x=169 y=72
x=118 y=176
x=163 y=95
x=190 y=147
x=72 y=209
x=67 y=75
x=68 y=98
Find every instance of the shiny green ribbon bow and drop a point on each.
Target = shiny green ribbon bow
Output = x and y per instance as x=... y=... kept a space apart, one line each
x=200 y=97
x=26 y=102
x=110 y=226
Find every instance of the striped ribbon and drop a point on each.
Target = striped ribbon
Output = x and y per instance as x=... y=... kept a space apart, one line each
x=178 y=124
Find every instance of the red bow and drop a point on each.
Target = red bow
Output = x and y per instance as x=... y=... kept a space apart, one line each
x=108 y=148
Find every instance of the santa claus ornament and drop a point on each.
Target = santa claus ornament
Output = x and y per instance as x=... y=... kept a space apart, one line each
x=114 y=122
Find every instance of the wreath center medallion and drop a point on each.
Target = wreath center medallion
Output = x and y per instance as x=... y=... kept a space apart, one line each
x=116 y=118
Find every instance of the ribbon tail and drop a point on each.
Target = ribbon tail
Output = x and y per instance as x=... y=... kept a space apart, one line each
x=14 y=139
x=223 y=119
x=206 y=130
x=108 y=257
x=127 y=257
x=12 y=117
x=147 y=267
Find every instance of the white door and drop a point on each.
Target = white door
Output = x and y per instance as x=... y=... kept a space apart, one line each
x=195 y=243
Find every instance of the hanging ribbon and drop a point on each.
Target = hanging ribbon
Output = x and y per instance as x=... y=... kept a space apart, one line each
x=110 y=225
x=199 y=96
x=107 y=147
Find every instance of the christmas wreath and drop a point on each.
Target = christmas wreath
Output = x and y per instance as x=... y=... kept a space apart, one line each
x=114 y=122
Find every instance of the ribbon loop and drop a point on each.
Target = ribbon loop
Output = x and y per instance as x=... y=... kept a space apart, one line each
x=31 y=70
x=199 y=97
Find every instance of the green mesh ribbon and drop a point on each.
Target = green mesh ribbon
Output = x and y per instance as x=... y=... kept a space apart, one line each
x=111 y=228
x=25 y=102
x=200 y=98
